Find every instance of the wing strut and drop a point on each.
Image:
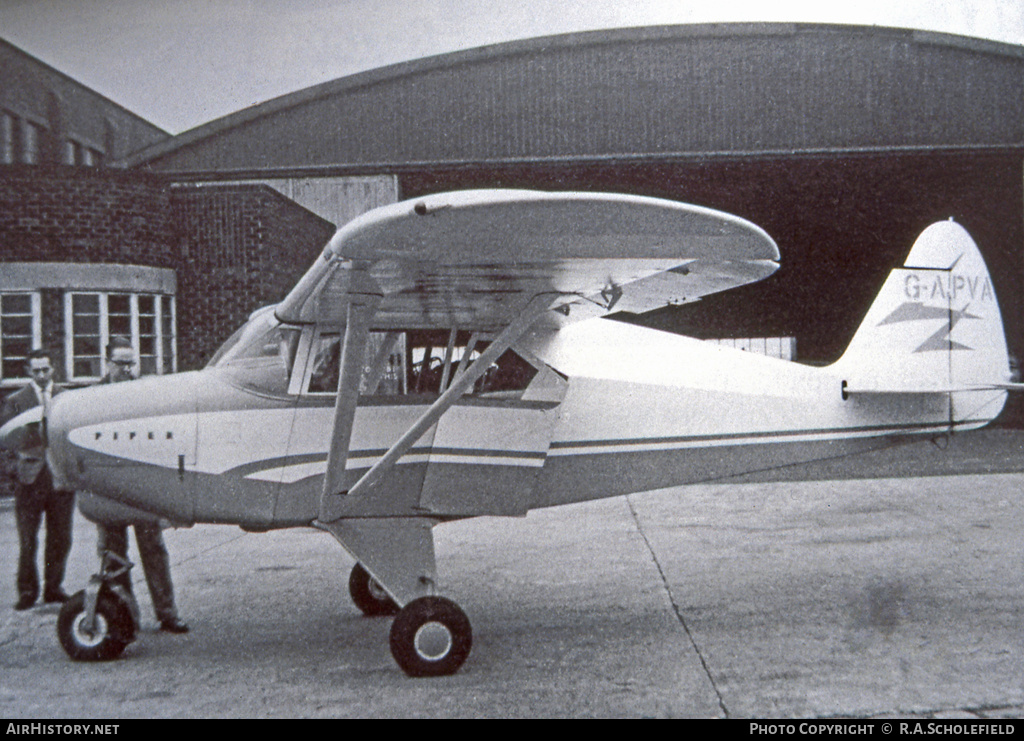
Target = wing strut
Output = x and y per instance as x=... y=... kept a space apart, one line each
x=447 y=370
x=530 y=314
x=359 y=312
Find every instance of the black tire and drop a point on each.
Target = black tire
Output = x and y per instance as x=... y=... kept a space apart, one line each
x=431 y=637
x=115 y=628
x=368 y=594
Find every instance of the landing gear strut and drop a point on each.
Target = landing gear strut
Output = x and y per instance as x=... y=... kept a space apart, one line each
x=99 y=622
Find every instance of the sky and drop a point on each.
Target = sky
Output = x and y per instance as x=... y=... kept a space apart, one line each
x=182 y=63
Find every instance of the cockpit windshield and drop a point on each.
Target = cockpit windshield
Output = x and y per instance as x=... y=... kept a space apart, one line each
x=260 y=354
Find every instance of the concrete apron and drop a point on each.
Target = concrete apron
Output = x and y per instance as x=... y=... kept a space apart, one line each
x=869 y=598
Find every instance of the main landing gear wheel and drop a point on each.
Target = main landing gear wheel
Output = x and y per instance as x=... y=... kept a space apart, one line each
x=368 y=594
x=112 y=631
x=431 y=637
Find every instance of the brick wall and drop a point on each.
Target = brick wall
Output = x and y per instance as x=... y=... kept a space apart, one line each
x=78 y=214
x=82 y=215
x=233 y=248
x=241 y=247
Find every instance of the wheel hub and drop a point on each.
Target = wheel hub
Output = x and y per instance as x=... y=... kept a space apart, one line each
x=377 y=591
x=432 y=641
x=89 y=638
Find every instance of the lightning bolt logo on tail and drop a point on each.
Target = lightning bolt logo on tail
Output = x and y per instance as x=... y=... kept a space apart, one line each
x=941 y=340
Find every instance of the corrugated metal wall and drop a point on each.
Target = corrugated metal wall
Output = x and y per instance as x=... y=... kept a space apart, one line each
x=336 y=199
x=641 y=92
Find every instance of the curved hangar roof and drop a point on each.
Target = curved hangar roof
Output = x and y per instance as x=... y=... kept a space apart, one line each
x=662 y=92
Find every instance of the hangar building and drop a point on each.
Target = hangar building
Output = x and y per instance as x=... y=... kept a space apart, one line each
x=842 y=142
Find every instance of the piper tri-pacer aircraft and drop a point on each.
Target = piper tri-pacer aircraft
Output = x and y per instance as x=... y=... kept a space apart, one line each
x=446 y=358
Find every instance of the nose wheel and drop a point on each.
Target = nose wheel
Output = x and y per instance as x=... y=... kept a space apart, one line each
x=431 y=637
x=97 y=623
x=103 y=636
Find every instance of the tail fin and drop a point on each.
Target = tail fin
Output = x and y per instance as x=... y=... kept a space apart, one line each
x=935 y=327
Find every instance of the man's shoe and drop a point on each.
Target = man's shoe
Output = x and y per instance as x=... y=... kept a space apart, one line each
x=24 y=603
x=174 y=625
x=55 y=597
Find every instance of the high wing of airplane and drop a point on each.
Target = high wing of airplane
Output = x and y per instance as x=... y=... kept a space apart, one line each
x=446 y=358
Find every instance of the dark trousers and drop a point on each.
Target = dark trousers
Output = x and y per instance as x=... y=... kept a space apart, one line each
x=31 y=502
x=156 y=564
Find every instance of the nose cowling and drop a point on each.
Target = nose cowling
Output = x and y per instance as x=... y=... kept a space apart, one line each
x=128 y=442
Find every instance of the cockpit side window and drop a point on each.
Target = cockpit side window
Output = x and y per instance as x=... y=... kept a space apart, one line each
x=326 y=365
x=509 y=375
x=383 y=366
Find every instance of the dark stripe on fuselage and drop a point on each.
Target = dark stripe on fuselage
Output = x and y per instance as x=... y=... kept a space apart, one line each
x=294 y=460
x=782 y=435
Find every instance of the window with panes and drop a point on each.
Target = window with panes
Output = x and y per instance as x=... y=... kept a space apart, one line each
x=145 y=319
x=20 y=332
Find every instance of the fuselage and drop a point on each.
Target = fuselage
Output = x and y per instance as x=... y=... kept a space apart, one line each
x=613 y=409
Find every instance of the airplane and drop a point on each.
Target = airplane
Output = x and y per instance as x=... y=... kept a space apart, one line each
x=450 y=357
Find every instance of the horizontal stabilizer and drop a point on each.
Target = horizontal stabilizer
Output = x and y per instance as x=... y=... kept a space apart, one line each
x=851 y=390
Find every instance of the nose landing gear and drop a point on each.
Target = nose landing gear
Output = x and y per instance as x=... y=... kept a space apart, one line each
x=99 y=622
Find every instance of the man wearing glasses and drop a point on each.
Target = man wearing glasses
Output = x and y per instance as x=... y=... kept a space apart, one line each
x=114 y=536
x=34 y=495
